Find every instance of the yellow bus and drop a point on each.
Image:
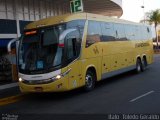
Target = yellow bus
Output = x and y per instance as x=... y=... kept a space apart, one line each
x=65 y=52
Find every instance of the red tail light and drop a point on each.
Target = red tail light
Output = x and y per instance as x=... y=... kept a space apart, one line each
x=30 y=32
x=61 y=45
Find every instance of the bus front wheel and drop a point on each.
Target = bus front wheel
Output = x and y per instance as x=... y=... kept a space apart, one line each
x=90 y=80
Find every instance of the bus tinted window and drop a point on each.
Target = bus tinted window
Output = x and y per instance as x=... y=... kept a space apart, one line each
x=73 y=45
x=138 y=32
x=94 y=33
x=149 y=33
x=120 y=33
x=107 y=32
x=77 y=24
x=130 y=32
x=50 y=37
x=153 y=33
x=145 y=33
x=70 y=49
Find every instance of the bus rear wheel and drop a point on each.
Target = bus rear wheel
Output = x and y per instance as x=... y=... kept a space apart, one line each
x=144 y=64
x=90 y=80
x=138 y=66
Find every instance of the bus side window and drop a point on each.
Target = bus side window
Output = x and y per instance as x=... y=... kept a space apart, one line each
x=94 y=33
x=138 y=33
x=108 y=32
x=77 y=24
x=130 y=32
x=146 y=33
x=149 y=33
x=120 y=33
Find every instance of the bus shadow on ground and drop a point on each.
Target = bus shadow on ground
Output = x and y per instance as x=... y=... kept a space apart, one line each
x=116 y=78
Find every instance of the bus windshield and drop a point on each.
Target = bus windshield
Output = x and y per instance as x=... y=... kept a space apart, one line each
x=40 y=50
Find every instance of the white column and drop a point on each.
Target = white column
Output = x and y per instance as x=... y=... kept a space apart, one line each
x=17 y=17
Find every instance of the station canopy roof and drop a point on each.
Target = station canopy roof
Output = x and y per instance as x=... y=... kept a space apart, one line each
x=103 y=7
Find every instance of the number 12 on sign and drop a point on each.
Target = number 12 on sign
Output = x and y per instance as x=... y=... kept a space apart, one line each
x=76 y=6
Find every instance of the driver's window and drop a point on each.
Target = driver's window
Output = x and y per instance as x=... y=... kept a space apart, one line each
x=73 y=45
x=71 y=49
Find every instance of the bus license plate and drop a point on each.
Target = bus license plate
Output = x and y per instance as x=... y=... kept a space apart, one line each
x=38 y=89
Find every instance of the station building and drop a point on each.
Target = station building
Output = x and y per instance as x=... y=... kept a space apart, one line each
x=15 y=14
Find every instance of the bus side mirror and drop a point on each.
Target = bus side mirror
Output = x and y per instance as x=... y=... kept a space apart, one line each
x=13 y=53
x=16 y=40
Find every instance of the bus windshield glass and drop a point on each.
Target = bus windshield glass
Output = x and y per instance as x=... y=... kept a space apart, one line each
x=40 y=50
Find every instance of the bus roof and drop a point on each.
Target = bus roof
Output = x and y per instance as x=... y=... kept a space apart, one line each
x=69 y=17
x=55 y=20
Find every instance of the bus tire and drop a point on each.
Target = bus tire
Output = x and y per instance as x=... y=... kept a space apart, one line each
x=144 y=64
x=138 y=65
x=90 y=80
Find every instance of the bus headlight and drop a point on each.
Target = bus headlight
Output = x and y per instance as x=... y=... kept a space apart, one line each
x=58 y=77
x=20 y=79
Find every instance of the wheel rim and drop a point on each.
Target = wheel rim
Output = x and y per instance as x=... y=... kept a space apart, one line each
x=138 y=67
x=89 y=81
x=144 y=64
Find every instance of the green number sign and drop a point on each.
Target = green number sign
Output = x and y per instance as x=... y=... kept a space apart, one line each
x=76 y=6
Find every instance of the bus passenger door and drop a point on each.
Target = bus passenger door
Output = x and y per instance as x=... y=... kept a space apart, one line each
x=74 y=64
x=74 y=74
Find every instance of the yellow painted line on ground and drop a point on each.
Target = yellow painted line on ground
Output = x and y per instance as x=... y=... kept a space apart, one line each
x=11 y=99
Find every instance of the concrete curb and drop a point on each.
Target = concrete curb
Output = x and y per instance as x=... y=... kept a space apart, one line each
x=7 y=86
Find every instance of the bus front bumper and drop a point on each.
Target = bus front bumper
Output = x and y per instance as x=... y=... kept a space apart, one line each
x=56 y=86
